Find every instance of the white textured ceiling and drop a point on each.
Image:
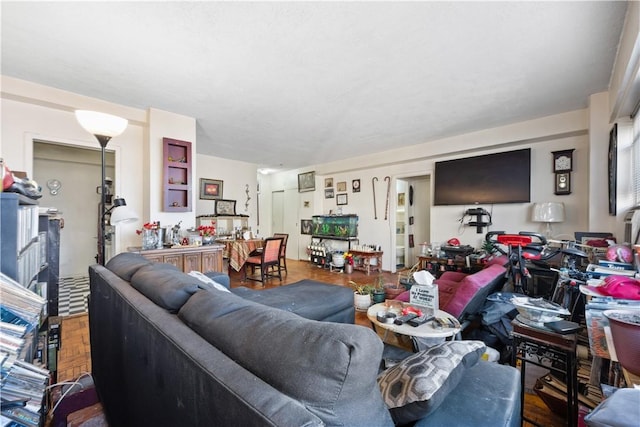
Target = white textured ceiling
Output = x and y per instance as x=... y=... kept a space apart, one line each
x=291 y=84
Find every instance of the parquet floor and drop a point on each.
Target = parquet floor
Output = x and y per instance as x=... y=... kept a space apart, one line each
x=75 y=358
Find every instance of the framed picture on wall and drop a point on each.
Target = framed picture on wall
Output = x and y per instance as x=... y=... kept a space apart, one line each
x=328 y=193
x=210 y=189
x=355 y=185
x=305 y=226
x=613 y=169
x=341 y=186
x=306 y=181
x=225 y=207
x=328 y=183
x=341 y=199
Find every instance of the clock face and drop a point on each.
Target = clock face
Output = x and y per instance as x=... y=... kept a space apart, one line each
x=562 y=163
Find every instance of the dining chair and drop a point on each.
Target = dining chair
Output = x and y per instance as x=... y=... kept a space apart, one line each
x=283 y=250
x=268 y=261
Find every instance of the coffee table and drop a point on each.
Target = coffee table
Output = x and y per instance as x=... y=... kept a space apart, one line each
x=426 y=330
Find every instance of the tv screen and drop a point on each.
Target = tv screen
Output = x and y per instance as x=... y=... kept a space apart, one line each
x=492 y=178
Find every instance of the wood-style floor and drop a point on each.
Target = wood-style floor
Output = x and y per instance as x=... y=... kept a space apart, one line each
x=74 y=357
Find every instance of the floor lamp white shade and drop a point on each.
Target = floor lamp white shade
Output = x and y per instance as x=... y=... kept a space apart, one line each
x=548 y=212
x=103 y=124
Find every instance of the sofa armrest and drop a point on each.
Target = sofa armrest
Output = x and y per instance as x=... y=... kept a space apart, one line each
x=220 y=278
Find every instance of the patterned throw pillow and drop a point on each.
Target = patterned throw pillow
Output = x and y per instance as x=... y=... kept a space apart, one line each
x=415 y=387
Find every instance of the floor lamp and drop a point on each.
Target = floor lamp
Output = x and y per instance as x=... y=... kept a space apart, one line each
x=104 y=127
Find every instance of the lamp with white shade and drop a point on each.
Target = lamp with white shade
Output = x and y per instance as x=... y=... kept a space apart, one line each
x=104 y=127
x=548 y=212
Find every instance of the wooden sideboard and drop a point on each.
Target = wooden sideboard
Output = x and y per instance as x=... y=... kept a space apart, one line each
x=202 y=258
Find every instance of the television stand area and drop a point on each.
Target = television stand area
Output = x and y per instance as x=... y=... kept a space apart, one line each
x=479 y=223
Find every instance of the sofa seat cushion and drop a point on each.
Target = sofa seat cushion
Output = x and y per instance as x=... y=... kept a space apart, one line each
x=330 y=368
x=168 y=288
x=307 y=298
x=417 y=386
x=487 y=396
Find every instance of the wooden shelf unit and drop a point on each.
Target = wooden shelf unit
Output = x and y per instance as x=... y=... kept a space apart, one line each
x=177 y=181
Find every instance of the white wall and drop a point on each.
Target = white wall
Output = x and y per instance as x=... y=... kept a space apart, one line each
x=568 y=130
x=31 y=111
x=235 y=176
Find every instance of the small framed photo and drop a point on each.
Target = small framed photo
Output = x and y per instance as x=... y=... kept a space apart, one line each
x=341 y=199
x=306 y=226
x=411 y=220
x=225 y=207
x=328 y=193
x=341 y=186
x=355 y=185
x=306 y=182
x=210 y=189
x=328 y=183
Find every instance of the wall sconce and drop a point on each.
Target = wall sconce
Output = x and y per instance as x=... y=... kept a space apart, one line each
x=548 y=212
x=104 y=127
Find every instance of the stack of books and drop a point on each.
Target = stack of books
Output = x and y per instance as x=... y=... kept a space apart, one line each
x=22 y=384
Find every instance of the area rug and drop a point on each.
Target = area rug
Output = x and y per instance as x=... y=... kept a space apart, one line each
x=72 y=294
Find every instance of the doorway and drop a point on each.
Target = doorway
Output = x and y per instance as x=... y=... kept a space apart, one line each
x=78 y=172
x=413 y=218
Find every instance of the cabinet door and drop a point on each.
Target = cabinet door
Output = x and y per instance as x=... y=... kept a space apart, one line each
x=212 y=261
x=192 y=262
x=175 y=259
x=153 y=258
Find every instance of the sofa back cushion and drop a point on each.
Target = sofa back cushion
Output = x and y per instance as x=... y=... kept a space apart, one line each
x=167 y=287
x=474 y=287
x=331 y=368
x=125 y=264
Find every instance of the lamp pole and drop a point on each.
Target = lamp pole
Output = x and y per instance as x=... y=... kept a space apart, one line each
x=104 y=127
x=103 y=140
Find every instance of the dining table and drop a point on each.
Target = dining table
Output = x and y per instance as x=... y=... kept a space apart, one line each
x=238 y=250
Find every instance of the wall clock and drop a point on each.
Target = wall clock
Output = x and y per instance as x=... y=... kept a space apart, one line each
x=563 y=183
x=54 y=186
x=563 y=160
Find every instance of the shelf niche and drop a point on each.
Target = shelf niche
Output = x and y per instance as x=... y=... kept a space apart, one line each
x=177 y=179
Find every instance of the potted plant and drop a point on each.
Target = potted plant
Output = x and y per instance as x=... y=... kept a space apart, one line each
x=377 y=292
x=361 y=295
x=392 y=290
x=208 y=233
x=348 y=262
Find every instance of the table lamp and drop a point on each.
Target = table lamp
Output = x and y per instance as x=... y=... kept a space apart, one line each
x=548 y=212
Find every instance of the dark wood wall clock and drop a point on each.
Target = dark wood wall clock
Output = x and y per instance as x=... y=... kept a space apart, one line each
x=563 y=160
x=563 y=183
x=613 y=168
x=562 y=167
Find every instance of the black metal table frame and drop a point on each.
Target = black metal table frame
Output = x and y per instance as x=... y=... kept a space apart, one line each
x=548 y=350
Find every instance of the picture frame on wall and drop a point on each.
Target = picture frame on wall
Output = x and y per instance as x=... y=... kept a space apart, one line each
x=328 y=183
x=341 y=186
x=306 y=226
x=210 y=189
x=341 y=199
x=612 y=165
x=355 y=186
x=306 y=181
x=225 y=207
x=328 y=193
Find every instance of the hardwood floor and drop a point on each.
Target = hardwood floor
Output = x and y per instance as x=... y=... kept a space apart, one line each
x=74 y=357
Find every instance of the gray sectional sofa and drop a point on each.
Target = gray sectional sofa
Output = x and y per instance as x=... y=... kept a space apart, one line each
x=168 y=349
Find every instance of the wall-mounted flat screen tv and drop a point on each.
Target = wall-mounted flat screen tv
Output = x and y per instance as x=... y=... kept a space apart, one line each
x=491 y=178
